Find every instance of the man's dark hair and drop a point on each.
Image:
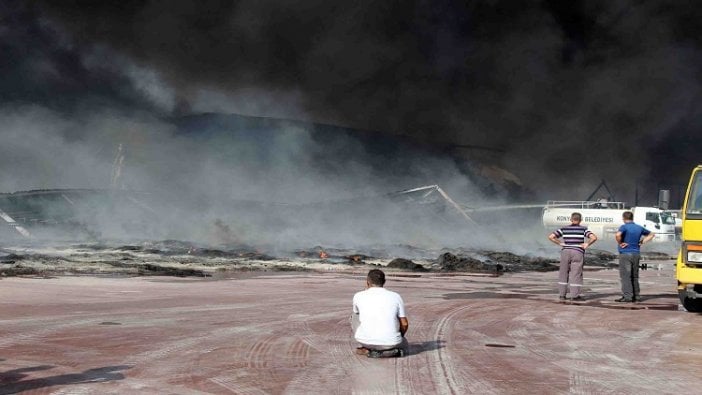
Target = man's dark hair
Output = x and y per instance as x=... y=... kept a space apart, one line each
x=376 y=277
x=628 y=216
x=576 y=217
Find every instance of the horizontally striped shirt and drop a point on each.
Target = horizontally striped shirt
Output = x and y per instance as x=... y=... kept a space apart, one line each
x=573 y=236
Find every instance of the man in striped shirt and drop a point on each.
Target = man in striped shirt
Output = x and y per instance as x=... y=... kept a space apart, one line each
x=570 y=274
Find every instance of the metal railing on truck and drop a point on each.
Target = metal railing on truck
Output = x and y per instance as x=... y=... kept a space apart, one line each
x=585 y=204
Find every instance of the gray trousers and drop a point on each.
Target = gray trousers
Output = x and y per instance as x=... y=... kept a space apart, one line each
x=570 y=273
x=629 y=275
x=355 y=323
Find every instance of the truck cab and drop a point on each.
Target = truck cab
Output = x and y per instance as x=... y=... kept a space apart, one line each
x=657 y=221
x=688 y=270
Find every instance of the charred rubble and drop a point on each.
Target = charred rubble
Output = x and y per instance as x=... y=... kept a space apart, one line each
x=179 y=258
x=406 y=264
x=493 y=262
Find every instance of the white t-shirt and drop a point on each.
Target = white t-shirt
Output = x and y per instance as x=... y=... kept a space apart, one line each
x=378 y=310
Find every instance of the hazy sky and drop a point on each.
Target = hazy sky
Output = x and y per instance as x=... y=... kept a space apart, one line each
x=573 y=92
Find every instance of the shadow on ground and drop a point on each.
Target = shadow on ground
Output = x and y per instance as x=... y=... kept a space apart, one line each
x=11 y=381
x=431 y=345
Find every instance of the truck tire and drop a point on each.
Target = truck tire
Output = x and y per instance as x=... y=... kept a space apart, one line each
x=690 y=304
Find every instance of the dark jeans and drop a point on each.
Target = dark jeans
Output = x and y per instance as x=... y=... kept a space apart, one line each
x=629 y=275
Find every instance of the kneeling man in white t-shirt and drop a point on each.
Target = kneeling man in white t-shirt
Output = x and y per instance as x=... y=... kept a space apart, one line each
x=379 y=320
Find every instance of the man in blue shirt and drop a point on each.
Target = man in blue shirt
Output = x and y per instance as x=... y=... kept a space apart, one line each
x=629 y=237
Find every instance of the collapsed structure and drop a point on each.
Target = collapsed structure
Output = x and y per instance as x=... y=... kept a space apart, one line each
x=29 y=212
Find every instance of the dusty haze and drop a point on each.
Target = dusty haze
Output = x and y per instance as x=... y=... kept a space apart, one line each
x=566 y=96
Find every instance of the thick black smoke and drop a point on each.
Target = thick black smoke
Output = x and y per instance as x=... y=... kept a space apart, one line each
x=573 y=92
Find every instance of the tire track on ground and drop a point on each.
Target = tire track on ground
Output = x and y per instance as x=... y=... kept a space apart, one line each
x=263 y=356
x=214 y=336
x=27 y=337
x=234 y=385
x=444 y=368
x=410 y=370
x=503 y=369
x=335 y=357
x=164 y=349
x=260 y=352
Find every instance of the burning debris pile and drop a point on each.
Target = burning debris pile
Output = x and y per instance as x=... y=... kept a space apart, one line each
x=600 y=258
x=228 y=253
x=406 y=264
x=480 y=261
x=180 y=248
x=449 y=262
x=178 y=258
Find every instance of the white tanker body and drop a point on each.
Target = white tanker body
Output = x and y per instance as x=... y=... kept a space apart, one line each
x=604 y=219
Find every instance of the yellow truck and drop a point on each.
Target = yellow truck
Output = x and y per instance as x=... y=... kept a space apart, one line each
x=688 y=270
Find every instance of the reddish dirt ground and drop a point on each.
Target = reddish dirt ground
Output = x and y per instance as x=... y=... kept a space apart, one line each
x=290 y=334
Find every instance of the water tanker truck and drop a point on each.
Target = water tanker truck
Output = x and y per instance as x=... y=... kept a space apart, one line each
x=688 y=269
x=605 y=217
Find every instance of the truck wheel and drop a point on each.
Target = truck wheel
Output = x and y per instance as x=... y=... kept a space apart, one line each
x=691 y=305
